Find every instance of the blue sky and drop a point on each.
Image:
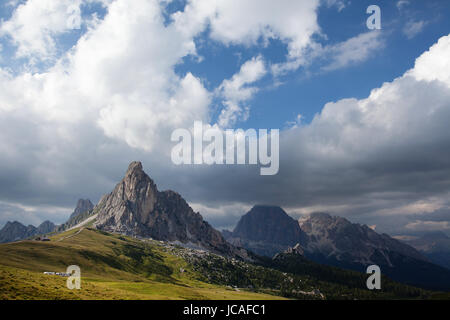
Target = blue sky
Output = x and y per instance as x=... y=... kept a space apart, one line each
x=302 y=91
x=80 y=100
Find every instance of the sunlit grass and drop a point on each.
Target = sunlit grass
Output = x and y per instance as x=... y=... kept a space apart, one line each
x=112 y=267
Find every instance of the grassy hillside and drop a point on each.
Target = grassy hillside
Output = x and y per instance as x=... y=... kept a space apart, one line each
x=118 y=267
x=112 y=267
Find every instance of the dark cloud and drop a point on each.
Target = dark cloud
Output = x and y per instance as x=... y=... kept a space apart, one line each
x=383 y=160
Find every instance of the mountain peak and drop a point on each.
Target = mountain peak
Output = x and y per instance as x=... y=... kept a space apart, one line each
x=83 y=205
x=83 y=202
x=136 y=207
x=134 y=167
x=14 y=231
x=339 y=239
x=45 y=227
x=267 y=230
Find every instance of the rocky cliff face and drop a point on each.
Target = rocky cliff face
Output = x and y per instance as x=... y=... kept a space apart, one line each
x=266 y=230
x=135 y=207
x=15 y=231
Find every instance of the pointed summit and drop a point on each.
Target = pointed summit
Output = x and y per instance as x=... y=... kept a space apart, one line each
x=83 y=205
x=127 y=209
x=135 y=164
x=135 y=207
x=135 y=168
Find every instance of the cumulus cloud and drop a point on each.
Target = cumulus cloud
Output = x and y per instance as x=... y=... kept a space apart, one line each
x=433 y=65
x=35 y=24
x=234 y=22
x=238 y=90
x=69 y=131
x=111 y=78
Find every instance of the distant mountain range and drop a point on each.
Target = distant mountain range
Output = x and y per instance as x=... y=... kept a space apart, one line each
x=15 y=231
x=137 y=208
x=434 y=245
x=337 y=242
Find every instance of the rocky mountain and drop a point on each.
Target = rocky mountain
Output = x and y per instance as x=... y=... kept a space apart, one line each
x=296 y=250
x=338 y=242
x=135 y=207
x=266 y=230
x=339 y=239
x=83 y=211
x=45 y=227
x=335 y=241
x=83 y=205
x=435 y=246
x=15 y=231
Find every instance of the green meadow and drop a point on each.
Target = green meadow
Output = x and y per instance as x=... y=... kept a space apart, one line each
x=112 y=267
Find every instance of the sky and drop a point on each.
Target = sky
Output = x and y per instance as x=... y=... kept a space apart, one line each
x=87 y=86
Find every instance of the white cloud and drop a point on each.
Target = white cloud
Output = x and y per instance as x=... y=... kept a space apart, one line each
x=35 y=24
x=434 y=64
x=238 y=90
x=428 y=226
x=413 y=28
x=352 y=51
x=244 y=22
x=111 y=78
x=234 y=22
x=367 y=124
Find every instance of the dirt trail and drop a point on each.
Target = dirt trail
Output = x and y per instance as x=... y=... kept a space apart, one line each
x=72 y=235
